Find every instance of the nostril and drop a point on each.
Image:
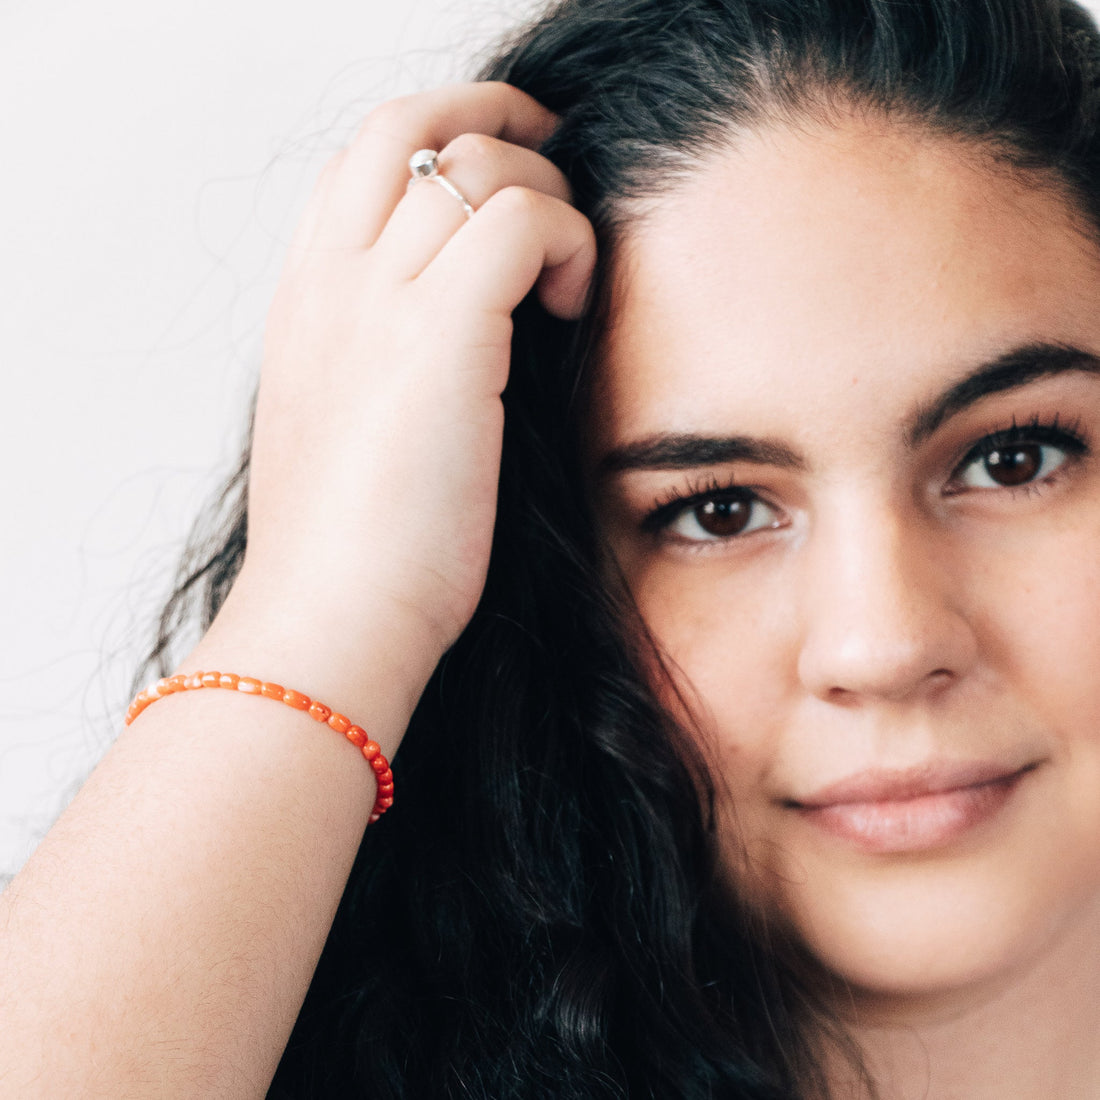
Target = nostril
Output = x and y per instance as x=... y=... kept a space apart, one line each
x=889 y=683
x=840 y=696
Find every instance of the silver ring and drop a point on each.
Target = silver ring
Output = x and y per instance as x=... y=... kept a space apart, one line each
x=424 y=165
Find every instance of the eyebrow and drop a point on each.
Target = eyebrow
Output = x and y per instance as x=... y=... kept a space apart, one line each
x=1013 y=369
x=1009 y=371
x=685 y=452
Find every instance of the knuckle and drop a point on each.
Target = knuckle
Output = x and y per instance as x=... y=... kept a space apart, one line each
x=501 y=88
x=516 y=202
x=478 y=151
x=392 y=117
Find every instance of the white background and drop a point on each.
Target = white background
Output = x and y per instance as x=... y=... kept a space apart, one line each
x=154 y=158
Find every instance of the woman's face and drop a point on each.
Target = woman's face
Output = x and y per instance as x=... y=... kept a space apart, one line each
x=847 y=451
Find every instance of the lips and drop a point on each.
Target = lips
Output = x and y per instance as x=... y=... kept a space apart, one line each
x=913 y=809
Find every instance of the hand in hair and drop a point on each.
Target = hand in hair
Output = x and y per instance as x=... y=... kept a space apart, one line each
x=377 y=440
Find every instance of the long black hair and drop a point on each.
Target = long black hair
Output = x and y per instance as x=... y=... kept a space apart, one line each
x=543 y=914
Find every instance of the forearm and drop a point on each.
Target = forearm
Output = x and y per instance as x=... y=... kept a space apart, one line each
x=162 y=938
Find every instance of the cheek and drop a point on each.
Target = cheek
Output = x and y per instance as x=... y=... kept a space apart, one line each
x=1041 y=629
x=728 y=650
x=723 y=681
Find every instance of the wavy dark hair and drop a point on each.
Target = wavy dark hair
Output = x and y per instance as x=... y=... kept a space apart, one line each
x=542 y=914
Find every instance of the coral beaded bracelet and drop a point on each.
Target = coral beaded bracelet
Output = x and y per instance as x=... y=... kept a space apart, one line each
x=318 y=711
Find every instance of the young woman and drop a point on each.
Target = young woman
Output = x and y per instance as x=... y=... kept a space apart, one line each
x=746 y=649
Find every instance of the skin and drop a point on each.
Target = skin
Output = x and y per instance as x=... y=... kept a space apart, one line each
x=889 y=605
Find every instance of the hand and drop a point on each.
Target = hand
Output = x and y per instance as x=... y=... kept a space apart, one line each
x=378 y=431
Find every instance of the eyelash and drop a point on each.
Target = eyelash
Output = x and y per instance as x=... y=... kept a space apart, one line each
x=1067 y=438
x=666 y=510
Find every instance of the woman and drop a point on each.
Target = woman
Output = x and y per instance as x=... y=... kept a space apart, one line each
x=752 y=719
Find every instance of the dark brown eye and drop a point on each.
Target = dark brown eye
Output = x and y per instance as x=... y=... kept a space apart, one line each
x=1000 y=463
x=1015 y=465
x=723 y=518
x=721 y=515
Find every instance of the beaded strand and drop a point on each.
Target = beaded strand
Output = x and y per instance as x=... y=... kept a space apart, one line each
x=194 y=681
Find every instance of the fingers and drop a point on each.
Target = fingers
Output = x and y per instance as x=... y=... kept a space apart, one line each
x=492 y=262
x=355 y=199
x=428 y=215
x=523 y=231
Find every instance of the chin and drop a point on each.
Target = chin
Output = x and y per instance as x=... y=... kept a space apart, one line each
x=912 y=940
x=928 y=929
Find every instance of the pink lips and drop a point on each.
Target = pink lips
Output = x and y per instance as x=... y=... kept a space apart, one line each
x=910 y=810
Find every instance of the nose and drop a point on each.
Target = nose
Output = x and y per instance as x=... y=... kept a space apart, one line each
x=881 y=621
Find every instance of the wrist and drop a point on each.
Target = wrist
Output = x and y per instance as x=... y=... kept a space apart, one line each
x=368 y=663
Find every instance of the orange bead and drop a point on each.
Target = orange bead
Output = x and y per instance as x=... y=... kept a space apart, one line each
x=319 y=712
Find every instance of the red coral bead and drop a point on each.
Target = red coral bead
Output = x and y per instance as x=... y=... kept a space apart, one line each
x=371 y=750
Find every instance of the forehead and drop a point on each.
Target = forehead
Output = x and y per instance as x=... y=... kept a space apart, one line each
x=818 y=263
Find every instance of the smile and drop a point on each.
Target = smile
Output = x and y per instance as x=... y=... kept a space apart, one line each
x=897 y=812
